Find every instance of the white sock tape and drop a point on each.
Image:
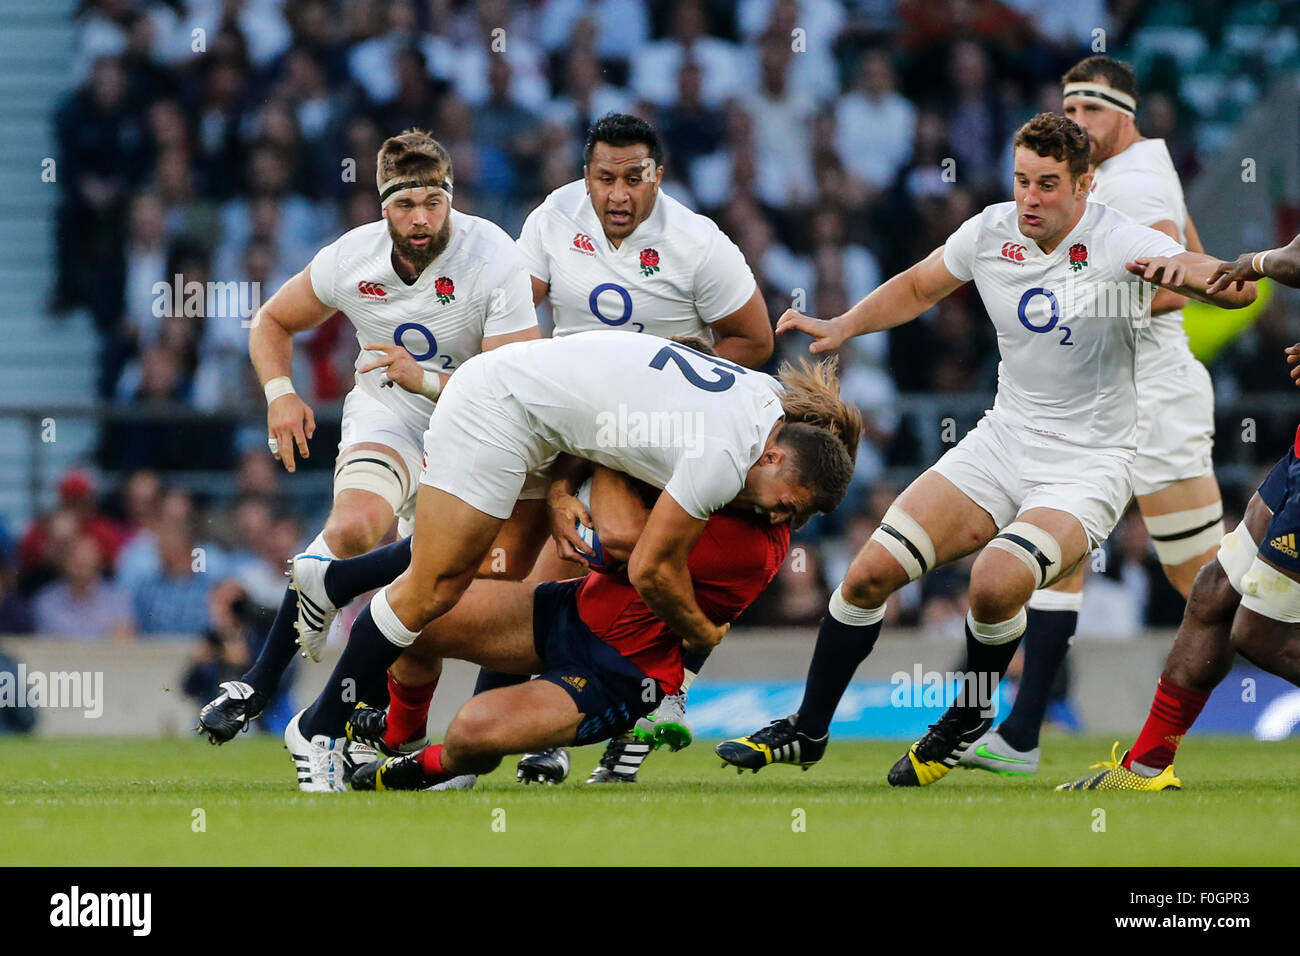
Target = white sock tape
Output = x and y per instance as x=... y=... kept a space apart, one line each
x=1267 y=591
x=1000 y=633
x=389 y=624
x=1236 y=551
x=1045 y=600
x=851 y=614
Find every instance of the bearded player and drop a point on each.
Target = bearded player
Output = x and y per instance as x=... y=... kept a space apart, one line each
x=1247 y=602
x=427 y=288
x=614 y=251
x=1044 y=477
x=1173 y=477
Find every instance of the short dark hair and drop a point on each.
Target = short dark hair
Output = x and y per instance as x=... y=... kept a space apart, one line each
x=1117 y=74
x=623 y=129
x=820 y=461
x=1057 y=136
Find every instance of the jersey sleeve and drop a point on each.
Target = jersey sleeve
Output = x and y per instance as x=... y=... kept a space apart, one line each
x=723 y=282
x=509 y=296
x=703 y=485
x=324 y=274
x=530 y=246
x=1146 y=197
x=1132 y=240
x=959 y=251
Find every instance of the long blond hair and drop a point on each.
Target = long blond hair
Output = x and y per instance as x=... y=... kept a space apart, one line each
x=812 y=396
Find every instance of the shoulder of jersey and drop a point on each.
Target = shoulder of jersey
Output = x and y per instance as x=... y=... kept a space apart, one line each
x=365 y=240
x=481 y=238
x=566 y=200
x=680 y=221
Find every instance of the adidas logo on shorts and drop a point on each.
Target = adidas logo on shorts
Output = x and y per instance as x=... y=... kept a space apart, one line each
x=1284 y=543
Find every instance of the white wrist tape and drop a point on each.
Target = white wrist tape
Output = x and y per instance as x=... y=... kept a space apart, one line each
x=431 y=385
x=278 y=388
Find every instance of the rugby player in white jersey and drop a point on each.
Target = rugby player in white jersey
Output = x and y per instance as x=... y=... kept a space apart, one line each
x=1173 y=475
x=426 y=288
x=1044 y=477
x=614 y=251
x=708 y=433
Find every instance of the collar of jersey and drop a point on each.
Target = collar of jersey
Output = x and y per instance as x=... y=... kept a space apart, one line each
x=1065 y=243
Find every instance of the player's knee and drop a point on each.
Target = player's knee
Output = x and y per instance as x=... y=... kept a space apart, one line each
x=872 y=578
x=1213 y=599
x=350 y=533
x=471 y=739
x=998 y=590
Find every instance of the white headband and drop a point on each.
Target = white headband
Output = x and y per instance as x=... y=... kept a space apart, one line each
x=1108 y=96
x=397 y=186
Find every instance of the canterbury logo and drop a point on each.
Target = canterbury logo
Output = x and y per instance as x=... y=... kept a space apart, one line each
x=371 y=290
x=577 y=683
x=1013 y=251
x=583 y=242
x=1284 y=543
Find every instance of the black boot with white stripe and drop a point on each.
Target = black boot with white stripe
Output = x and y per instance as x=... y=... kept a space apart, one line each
x=779 y=742
x=622 y=759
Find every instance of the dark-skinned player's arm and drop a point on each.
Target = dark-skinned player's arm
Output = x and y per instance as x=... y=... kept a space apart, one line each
x=540 y=288
x=1282 y=265
x=893 y=303
x=1191 y=274
x=745 y=336
x=294 y=308
x=657 y=569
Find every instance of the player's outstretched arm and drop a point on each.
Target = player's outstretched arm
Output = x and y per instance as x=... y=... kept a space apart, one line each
x=1282 y=265
x=1190 y=274
x=294 y=308
x=657 y=569
x=745 y=336
x=891 y=304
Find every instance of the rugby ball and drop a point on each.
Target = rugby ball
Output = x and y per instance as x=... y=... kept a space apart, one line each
x=588 y=535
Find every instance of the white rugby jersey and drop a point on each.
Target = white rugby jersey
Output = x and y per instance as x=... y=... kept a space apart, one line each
x=658 y=411
x=478 y=287
x=1066 y=322
x=674 y=274
x=1141 y=182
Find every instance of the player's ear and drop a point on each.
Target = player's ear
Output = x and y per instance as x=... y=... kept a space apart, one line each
x=585 y=181
x=1085 y=183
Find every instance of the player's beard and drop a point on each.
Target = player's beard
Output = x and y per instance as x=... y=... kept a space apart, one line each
x=416 y=256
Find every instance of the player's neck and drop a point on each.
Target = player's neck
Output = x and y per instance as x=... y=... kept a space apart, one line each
x=1049 y=246
x=1126 y=139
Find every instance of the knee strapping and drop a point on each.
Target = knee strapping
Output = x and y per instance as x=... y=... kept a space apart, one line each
x=904 y=538
x=378 y=472
x=1182 y=535
x=1035 y=547
x=1237 y=550
x=1267 y=591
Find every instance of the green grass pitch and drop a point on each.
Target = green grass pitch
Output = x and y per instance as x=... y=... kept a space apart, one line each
x=129 y=802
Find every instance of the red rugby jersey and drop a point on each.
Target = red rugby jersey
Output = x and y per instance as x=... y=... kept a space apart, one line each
x=731 y=564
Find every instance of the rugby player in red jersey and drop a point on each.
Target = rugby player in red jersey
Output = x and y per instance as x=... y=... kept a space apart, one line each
x=603 y=657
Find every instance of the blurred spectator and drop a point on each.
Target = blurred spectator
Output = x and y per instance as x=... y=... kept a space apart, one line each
x=655 y=66
x=76 y=514
x=81 y=605
x=15 y=609
x=174 y=600
x=874 y=124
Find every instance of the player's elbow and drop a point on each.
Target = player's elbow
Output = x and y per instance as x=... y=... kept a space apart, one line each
x=648 y=574
x=750 y=350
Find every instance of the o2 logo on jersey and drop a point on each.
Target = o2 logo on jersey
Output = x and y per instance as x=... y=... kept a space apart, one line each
x=1052 y=308
x=593 y=301
x=430 y=342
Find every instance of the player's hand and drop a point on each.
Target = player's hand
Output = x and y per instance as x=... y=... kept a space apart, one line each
x=828 y=334
x=703 y=643
x=566 y=510
x=1175 y=272
x=1293 y=359
x=290 y=421
x=400 y=368
x=1226 y=273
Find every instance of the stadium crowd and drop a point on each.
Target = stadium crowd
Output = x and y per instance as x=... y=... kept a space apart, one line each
x=835 y=142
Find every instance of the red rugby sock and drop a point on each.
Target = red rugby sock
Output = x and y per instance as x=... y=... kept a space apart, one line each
x=1173 y=711
x=408 y=711
x=431 y=760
